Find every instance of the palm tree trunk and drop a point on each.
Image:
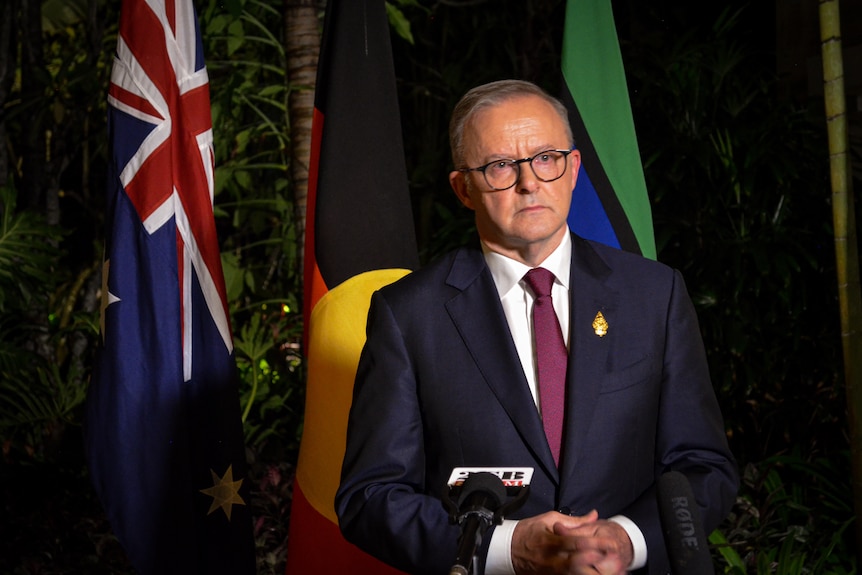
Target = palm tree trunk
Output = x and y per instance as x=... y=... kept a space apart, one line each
x=33 y=145
x=302 y=40
x=846 y=250
x=8 y=44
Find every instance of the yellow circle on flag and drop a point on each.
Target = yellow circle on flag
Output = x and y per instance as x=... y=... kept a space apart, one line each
x=336 y=336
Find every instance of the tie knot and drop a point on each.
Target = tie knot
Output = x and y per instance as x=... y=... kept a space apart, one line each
x=539 y=281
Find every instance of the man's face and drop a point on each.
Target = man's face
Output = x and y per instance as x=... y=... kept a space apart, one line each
x=528 y=220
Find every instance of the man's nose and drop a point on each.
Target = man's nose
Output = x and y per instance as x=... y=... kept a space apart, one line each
x=527 y=182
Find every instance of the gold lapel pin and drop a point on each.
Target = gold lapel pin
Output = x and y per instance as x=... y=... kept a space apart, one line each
x=600 y=325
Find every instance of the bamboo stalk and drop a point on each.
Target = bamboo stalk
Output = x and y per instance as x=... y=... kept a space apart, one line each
x=846 y=249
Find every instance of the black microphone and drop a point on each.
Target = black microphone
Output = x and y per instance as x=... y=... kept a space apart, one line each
x=684 y=534
x=482 y=494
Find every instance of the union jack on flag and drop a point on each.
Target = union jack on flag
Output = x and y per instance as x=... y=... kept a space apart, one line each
x=163 y=432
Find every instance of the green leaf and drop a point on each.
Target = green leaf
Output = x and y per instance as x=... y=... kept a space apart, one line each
x=399 y=22
x=233 y=275
x=717 y=539
x=236 y=37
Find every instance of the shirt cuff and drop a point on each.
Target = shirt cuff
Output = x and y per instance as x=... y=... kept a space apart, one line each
x=639 y=558
x=499 y=560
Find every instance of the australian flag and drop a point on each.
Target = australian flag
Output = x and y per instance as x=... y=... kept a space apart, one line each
x=163 y=430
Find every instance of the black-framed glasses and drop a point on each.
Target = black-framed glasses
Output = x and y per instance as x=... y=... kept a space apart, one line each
x=501 y=175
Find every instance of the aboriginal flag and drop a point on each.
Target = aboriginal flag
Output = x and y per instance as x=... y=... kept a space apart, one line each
x=610 y=202
x=359 y=237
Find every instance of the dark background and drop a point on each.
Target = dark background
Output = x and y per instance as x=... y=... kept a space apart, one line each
x=727 y=104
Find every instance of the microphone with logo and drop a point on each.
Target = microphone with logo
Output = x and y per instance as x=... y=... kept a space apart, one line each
x=684 y=535
x=476 y=498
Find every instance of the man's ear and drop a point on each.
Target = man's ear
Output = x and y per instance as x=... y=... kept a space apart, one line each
x=576 y=166
x=458 y=181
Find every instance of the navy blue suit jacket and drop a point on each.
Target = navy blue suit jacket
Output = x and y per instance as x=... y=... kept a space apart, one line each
x=440 y=385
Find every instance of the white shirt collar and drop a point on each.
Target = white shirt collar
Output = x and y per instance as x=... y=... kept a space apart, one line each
x=508 y=272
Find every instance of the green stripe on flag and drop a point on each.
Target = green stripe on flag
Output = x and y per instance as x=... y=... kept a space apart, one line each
x=593 y=70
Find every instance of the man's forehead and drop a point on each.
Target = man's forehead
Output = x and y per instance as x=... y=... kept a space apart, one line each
x=522 y=120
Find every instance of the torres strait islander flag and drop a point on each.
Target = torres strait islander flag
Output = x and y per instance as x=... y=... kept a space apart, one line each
x=610 y=202
x=163 y=432
x=359 y=237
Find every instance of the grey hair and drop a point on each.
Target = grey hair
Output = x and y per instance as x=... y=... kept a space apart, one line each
x=493 y=94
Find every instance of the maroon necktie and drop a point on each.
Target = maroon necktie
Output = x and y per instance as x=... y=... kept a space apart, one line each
x=551 y=357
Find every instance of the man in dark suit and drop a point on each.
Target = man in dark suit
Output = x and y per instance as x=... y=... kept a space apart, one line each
x=451 y=374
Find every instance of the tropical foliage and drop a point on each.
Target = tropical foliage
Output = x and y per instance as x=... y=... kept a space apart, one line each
x=736 y=172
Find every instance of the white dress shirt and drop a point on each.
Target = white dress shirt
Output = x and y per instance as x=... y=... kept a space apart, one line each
x=517 y=302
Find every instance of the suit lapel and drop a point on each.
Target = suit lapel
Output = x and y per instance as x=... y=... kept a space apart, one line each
x=588 y=352
x=478 y=315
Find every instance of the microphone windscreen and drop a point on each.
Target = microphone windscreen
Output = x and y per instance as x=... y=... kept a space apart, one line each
x=684 y=534
x=485 y=485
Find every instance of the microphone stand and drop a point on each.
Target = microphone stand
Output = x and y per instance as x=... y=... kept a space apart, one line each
x=474 y=521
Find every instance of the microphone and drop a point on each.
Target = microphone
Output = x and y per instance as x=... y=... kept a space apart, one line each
x=684 y=535
x=481 y=494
